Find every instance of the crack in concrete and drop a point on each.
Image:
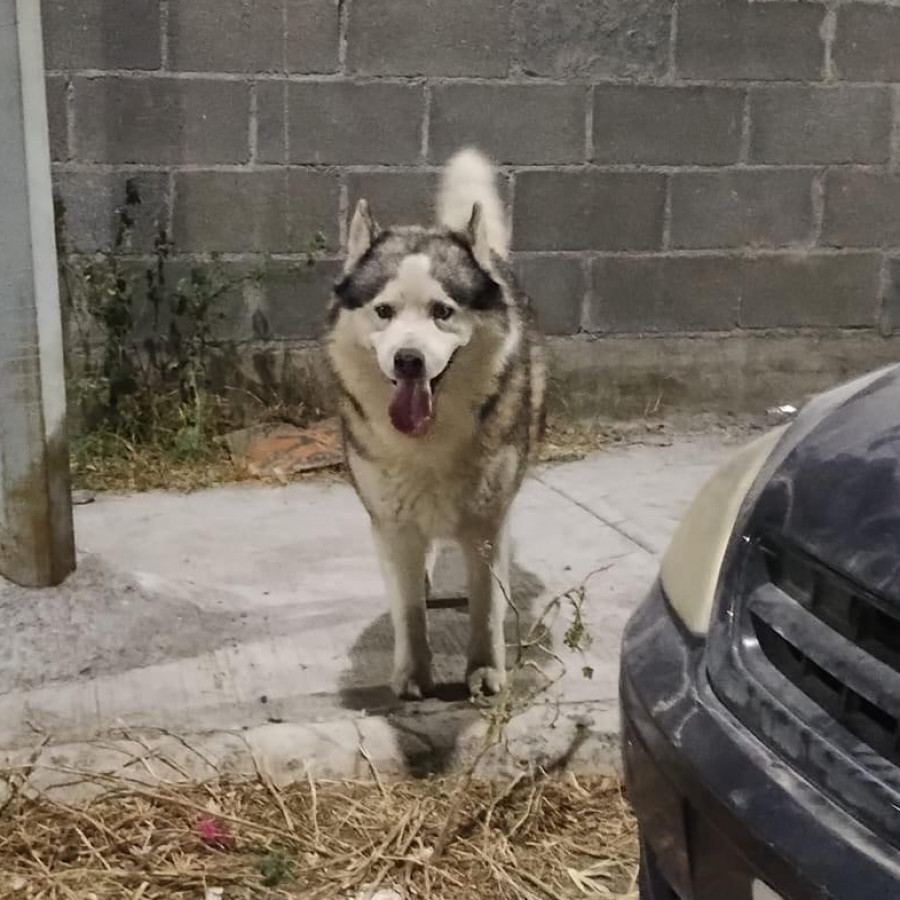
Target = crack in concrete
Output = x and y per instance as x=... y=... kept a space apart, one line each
x=616 y=526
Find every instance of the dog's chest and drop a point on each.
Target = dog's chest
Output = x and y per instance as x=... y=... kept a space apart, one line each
x=438 y=496
x=430 y=498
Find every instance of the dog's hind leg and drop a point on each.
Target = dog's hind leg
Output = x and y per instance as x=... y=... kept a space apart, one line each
x=401 y=552
x=488 y=563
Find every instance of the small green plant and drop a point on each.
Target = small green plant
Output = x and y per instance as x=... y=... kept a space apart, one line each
x=150 y=388
x=577 y=638
x=141 y=334
x=316 y=245
x=538 y=668
x=274 y=868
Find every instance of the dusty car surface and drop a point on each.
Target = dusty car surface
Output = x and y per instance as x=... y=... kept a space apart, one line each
x=760 y=679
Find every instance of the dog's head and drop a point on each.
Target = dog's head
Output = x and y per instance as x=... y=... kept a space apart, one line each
x=413 y=297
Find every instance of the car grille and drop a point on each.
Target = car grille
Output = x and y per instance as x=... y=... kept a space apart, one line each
x=851 y=686
x=809 y=661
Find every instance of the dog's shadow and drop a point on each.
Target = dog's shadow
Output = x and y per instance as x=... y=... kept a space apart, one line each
x=427 y=732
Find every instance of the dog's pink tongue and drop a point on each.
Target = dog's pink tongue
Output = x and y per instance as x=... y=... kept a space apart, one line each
x=411 y=407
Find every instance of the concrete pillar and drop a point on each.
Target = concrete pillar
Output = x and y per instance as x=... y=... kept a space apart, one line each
x=36 y=538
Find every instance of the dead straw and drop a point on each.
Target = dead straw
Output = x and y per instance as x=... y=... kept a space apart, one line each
x=534 y=837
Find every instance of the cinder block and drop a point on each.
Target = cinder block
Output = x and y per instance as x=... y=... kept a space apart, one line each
x=161 y=120
x=556 y=286
x=294 y=300
x=402 y=196
x=313 y=36
x=741 y=208
x=518 y=124
x=264 y=212
x=229 y=286
x=344 y=123
x=270 y=106
x=226 y=35
x=862 y=209
x=825 y=125
x=891 y=314
x=588 y=211
x=665 y=293
x=312 y=201
x=99 y=207
x=759 y=41
x=667 y=125
x=593 y=38
x=821 y=291
x=101 y=34
x=429 y=37
x=395 y=198
x=58 y=117
x=866 y=43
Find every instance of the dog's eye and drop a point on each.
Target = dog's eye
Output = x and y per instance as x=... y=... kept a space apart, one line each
x=441 y=311
x=384 y=311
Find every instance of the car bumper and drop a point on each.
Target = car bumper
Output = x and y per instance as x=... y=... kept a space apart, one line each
x=718 y=809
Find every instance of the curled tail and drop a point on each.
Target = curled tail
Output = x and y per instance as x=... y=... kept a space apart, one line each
x=469 y=179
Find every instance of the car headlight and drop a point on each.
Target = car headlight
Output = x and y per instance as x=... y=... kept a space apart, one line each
x=692 y=563
x=690 y=567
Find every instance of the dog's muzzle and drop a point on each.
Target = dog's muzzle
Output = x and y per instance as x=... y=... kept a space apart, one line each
x=412 y=404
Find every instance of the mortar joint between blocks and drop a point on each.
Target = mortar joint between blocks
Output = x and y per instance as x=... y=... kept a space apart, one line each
x=894 y=160
x=884 y=311
x=253 y=125
x=284 y=36
x=164 y=35
x=425 y=148
x=667 y=215
x=587 y=271
x=343 y=209
x=671 y=75
x=71 y=130
x=286 y=123
x=343 y=34
x=171 y=199
x=589 y=125
x=818 y=206
x=746 y=130
x=828 y=31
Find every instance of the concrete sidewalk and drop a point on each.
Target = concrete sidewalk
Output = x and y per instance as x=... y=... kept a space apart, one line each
x=250 y=622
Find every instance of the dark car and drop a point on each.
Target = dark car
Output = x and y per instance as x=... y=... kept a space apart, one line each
x=760 y=680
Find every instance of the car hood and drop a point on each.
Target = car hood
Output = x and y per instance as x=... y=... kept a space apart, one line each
x=836 y=492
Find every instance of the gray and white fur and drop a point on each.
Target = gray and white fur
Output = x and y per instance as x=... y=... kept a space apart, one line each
x=441 y=393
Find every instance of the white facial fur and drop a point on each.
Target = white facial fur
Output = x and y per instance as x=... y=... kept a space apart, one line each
x=411 y=296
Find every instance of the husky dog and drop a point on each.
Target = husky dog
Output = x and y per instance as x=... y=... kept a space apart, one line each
x=441 y=381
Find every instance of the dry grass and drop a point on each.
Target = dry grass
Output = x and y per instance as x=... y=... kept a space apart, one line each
x=136 y=468
x=529 y=839
x=110 y=463
x=567 y=441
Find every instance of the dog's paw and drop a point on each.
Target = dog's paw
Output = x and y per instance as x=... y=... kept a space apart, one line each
x=486 y=681
x=411 y=685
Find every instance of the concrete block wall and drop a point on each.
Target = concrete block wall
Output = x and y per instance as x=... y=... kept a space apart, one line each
x=714 y=169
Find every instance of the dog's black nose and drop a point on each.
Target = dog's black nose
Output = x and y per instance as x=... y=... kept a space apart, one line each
x=409 y=364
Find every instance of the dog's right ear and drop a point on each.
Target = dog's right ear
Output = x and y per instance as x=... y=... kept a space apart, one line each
x=363 y=230
x=478 y=237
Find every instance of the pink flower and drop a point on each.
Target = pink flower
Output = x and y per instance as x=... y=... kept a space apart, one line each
x=215 y=834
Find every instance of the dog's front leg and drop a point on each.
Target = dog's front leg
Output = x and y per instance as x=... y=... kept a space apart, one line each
x=487 y=561
x=401 y=552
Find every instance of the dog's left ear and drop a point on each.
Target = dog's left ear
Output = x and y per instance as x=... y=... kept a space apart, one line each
x=478 y=238
x=363 y=230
